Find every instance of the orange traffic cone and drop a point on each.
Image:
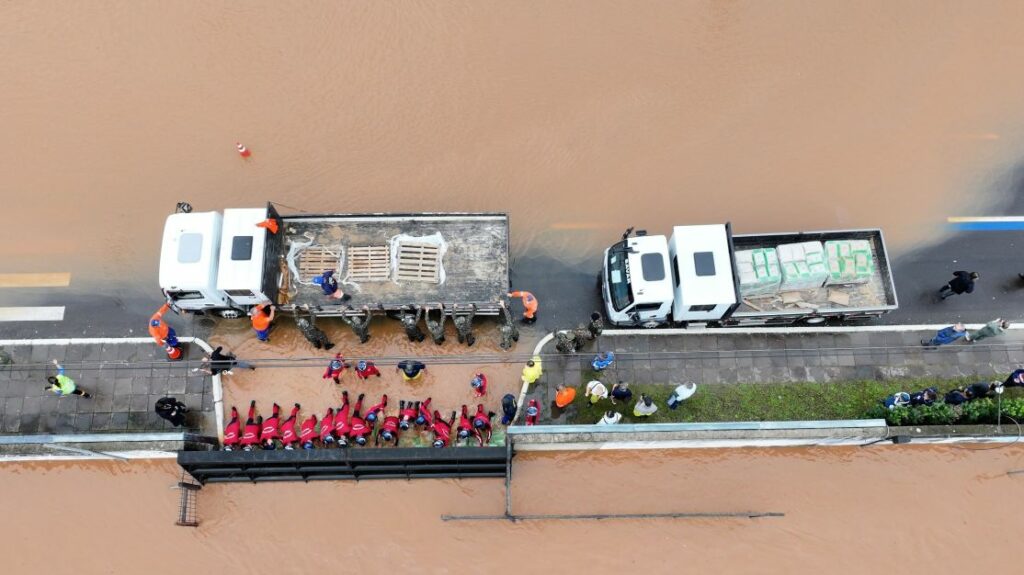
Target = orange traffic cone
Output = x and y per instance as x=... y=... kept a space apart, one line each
x=242 y=150
x=173 y=353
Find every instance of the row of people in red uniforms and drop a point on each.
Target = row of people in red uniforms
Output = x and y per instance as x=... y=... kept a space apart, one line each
x=348 y=424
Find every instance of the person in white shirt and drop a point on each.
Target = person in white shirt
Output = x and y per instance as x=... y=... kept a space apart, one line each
x=596 y=391
x=610 y=418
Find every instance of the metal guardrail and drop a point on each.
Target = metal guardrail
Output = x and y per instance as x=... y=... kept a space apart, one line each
x=718 y=426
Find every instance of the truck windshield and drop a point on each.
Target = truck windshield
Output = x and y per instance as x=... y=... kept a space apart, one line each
x=618 y=277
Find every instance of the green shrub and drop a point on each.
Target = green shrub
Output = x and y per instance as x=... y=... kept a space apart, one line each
x=936 y=414
x=1014 y=408
x=978 y=411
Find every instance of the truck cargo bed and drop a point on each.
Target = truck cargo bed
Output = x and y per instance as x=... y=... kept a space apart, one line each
x=877 y=295
x=472 y=250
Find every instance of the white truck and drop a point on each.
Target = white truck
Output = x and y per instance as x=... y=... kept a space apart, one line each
x=223 y=264
x=704 y=275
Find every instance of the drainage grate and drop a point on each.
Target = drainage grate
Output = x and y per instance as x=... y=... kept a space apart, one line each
x=187 y=513
x=418 y=262
x=369 y=263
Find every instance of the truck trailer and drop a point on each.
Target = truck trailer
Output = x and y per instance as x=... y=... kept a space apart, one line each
x=704 y=275
x=225 y=263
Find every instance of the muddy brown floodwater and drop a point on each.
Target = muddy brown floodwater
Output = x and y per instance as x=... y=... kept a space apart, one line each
x=578 y=118
x=917 y=509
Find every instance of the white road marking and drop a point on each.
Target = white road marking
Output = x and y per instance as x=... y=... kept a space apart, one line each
x=27 y=280
x=50 y=313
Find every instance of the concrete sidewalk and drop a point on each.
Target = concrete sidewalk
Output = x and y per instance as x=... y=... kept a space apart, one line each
x=724 y=356
x=125 y=378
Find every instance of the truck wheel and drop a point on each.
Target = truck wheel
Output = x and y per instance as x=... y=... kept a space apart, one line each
x=231 y=313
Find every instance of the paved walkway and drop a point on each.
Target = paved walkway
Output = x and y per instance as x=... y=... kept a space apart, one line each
x=722 y=356
x=125 y=380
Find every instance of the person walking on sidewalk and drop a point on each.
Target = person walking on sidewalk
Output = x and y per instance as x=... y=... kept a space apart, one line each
x=172 y=410
x=962 y=282
x=991 y=329
x=63 y=385
x=946 y=335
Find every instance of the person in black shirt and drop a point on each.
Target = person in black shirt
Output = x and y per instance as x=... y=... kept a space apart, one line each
x=172 y=410
x=219 y=362
x=962 y=282
x=411 y=369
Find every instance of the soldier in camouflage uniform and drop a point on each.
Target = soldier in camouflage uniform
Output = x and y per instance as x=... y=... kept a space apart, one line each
x=436 y=328
x=564 y=342
x=360 y=324
x=464 y=324
x=312 y=333
x=509 y=330
x=580 y=336
x=411 y=323
x=596 y=325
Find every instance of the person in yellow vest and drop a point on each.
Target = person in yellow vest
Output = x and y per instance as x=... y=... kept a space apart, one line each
x=63 y=385
x=532 y=371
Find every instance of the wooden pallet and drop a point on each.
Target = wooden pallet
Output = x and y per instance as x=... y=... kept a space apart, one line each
x=315 y=260
x=369 y=264
x=419 y=262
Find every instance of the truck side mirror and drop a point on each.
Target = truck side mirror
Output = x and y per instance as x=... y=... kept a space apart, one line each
x=625 y=236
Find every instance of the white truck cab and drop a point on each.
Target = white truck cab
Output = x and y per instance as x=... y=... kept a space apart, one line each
x=636 y=285
x=242 y=250
x=650 y=280
x=188 y=262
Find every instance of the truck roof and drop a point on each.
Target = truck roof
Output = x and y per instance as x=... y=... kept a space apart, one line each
x=649 y=269
x=241 y=250
x=188 y=252
x=703 y=261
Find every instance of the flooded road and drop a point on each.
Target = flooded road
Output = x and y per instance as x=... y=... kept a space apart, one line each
x=578 y=118
x=847 y=510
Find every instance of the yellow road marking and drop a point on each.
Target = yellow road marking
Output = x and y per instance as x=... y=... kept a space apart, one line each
x=35 y=280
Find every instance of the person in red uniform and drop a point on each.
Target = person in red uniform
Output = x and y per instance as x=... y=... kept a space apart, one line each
x=465 y=425
x=270 y=429
x=479 y=384
x=407 y=412
x=529 y=305
x=388 y=430
x=231 y=431
x=341 y=421
x=532 y=412
x=359 y=429
x=442 y=429
x=307 y=432
x=335 y=368
x=366 y=369
x=482 y=424
x=374 y=412
x=424 y=417
x=327 y=428
x=288 y=435
x=253 y=426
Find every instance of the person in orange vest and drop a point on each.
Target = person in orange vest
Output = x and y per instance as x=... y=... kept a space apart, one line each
x=529 y=305
x=564 y=396
x=163 y=334
x=262 y=315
